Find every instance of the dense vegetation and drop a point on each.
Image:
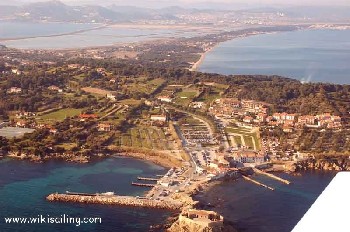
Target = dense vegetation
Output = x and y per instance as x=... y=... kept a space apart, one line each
x=138 y=80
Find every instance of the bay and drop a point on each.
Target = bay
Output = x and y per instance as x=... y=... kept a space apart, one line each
x=253 y=208
x=24 y=186
x=305 y=55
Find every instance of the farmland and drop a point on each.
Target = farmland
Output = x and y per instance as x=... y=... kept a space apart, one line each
x=145 y=137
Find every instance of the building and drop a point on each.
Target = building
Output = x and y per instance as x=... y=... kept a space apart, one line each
x=112 y=96
x=306 y=120
x=197 y=105
x=248 y=157
x=25 y=114
x=233 y=102
x=53 y=130
x=261 y=117
x=253 y=106
x=165 y=99
x=248 y=119
x=104 y=127
x=113 y=80
x=16 y=71
x=21 y=123
x=159 y=117
x=282 y=117
x=202 y=218
x=74 y=66
x=329 y=121
x=14 y=90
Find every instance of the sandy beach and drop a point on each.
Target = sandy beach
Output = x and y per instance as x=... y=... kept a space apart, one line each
x=196 y=65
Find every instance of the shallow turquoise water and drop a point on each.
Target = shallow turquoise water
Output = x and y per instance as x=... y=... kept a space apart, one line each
x=24 y=186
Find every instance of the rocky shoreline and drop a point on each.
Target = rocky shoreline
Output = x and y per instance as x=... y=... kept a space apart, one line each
x=324 y=163
x=159 y=158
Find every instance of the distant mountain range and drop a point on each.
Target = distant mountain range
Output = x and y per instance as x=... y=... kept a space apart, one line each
x=56 y=11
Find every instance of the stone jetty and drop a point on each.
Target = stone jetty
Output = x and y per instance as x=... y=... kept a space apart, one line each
x=271 y=176
x=142 y=184
x=147 y=178
x=258 y=183
x=114 y=200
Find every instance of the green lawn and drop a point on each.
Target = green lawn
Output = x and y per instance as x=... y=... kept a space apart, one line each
x=248 y=141
x=248 y=136
x=188 y=94
x=240 y=130
x=60 y=115
x=238 y=140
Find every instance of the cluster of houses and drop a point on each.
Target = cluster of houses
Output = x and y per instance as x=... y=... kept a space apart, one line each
x=229 y=107
x=33 y=125
x=105 y=127
x=25 y=114
x=291 y=121
x=254 y=112
x=197 y=105
x=14 y=90
x=247 y=156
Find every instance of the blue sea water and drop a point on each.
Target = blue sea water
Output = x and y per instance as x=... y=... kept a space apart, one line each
x=253 y=208
x=306 y=55
x=24 y=186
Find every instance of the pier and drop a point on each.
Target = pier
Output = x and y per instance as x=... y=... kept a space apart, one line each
x=142 y=184
x=147 y=178
x=257 y=183
x=114 y=200
x=271 y=176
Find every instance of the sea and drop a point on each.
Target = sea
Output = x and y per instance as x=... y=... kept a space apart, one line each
x=24 y=186
x=253 y=208
x=73 y=35
x=318 y=55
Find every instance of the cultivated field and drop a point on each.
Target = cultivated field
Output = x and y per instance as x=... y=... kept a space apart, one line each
x=145 y=137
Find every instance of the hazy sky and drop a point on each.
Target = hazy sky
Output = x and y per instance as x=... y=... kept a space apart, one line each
x=194 y=3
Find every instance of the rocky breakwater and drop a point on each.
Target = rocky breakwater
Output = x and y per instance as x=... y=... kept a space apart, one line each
x=327 y=163
x=114 y=200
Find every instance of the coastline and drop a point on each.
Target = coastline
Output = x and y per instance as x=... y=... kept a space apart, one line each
x=160 y=158
x=197 y=64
